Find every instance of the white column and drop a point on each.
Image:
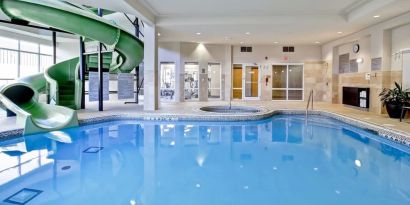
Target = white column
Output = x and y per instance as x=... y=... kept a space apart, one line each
x=203 y=79
x=151 y=94
x=227 y=71
x=381 y=47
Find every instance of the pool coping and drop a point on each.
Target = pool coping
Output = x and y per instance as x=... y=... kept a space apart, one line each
x=388 y=133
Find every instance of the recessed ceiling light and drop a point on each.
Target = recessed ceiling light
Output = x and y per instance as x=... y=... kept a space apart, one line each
x=317 y=42
x=376 y=16
x=159 y=34
x=198 y=33
x=339 y=32
x=275 y=42
x=248 y=33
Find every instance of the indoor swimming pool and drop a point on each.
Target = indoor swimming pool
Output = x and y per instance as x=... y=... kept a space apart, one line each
x=283 y=160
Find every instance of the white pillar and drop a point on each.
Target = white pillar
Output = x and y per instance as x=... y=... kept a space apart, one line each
x=151 y=94
x=381 y=48
x=203 y=79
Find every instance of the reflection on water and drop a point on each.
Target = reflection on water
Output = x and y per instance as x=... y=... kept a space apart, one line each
x=283 y=160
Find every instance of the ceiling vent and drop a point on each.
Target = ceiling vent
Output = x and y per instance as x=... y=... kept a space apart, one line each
x=288 y=49
x=245 y=49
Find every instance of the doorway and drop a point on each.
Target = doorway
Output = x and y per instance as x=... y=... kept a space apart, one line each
x=245 y=82
x=251 y=82
x=167 y=79
x=214 y=80
x=191 y=81
x=237 y=81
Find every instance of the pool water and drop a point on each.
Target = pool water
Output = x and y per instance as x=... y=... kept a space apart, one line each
x=284 y=160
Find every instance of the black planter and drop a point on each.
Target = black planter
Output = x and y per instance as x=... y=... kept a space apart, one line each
x=394 y=110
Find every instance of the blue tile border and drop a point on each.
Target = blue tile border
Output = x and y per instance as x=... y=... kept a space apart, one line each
x=14 y=201
x=388 y=133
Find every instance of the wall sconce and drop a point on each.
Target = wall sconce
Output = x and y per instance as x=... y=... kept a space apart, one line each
x=359 y=60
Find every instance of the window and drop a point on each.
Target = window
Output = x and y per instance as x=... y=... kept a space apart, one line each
x=287 y=82
x=21 y=58
x=214 y=80
x=29 y=64
x=9 y=64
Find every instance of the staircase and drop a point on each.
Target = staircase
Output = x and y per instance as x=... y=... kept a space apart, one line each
x=66 y=94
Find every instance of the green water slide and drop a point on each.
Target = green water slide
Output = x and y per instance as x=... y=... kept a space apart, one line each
x=62 y=79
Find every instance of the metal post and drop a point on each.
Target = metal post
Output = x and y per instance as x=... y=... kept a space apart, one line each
x=82 y=72
x=137 y=69
x=100 y=72
x=137 y=73
x=54 y=47
x=54 y=40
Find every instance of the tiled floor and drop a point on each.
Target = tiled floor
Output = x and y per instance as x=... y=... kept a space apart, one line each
x=189 y=108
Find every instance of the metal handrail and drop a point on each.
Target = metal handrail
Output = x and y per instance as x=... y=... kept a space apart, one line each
x=309 y=103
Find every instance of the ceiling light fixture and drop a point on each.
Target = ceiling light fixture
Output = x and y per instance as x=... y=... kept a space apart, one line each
x=159 y=34
x=241 y=42
x=339 y=32
x=198 y=33
x=317 y=42
x=275 y=42
x=376 y=16
x=248 y=33
x=359 y=60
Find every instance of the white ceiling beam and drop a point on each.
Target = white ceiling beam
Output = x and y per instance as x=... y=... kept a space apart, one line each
x=366 y=9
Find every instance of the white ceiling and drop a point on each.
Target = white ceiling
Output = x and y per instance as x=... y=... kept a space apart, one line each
x=284 y=21
x=288 y=22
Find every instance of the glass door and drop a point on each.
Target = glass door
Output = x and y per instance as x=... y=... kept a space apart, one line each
x=237 y=81
x=287 y=82
x=251 y=82
x=214 y=80
x=167 y=78
x=191 y=81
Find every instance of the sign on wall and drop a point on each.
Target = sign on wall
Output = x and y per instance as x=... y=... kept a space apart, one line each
x=94 y=84
x=344 y=63
x=376 y=64
x=125 y=86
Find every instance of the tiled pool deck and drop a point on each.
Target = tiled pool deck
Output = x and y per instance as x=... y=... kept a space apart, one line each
x=390 y=128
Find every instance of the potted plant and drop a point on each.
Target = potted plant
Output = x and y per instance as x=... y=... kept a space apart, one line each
x=394 y=99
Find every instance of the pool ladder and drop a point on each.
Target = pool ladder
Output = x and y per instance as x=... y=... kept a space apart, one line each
x=309 y=103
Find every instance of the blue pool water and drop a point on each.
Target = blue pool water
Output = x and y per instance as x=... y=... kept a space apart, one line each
x=279 y=161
